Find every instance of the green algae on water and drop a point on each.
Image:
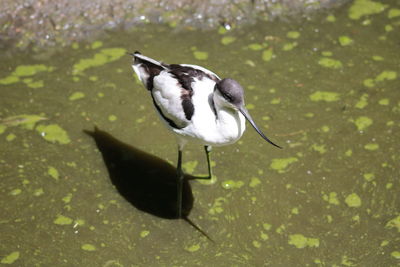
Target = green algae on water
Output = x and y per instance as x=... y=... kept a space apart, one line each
x=200 y=55
x=96 y=44
x=254 y=181
x=319 y=148
x=289 y=46
x=112 y=117
x=9 y=80
x=63 y=220
x=250 y=106
x=250 y=63
x=53 y=172
x=15 y=192
x=295 y=211
x=330 y=63
x=281 y=229
x=33 y=84
x=377 y=58
x=76 y=96
x=363 y=122
x=324 y=96
x=331 y=198
x=394 y=223
x=264 y=236
x=30 y=70
x=11 y=137
x=67 y=198
x=75 y=45
x=144 y=233
x=216 y=208
x=10 y=258
x=300 y=241
x=227 y=40
x=394 y=13
x=395 y=254
x=93 y=78
x=345 y=40
x=331 y=18
x=369 y=176
x=293 y=35
x=361 y=8
x=363 y=102
x=53 y=133
x=190 y=166
x=353 y=200
x=38 y=192
x=79 y=222
x=88 y=247
x=281 y=164
x=267 y=55
x=384 y=243
x=2 y=128
x=325 y=129
x=389 y=28
x=222 y=30
x=25 y=121
x=25 y=71
x=275 y=101
x=371 y=146
x=346 y=261
x=326 y=53
x=231 y=184
x=386 y=75
x=267 y=226
x=369 y=83
x=255 y=47
x=105 y=56
x=256 y=244
x=193 y=248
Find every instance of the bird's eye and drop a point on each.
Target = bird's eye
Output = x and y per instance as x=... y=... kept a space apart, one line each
x=228 y=97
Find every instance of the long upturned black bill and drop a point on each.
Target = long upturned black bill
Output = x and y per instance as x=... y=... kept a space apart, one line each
x=246 y=114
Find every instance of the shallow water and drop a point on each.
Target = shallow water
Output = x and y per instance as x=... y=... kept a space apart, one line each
x=327 y=89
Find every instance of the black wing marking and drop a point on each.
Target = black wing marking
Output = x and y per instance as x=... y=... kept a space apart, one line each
x=185 y=76
x=148 y=68
x=151 y=68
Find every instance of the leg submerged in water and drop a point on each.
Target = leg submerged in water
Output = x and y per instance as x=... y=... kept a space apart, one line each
x=179 y=177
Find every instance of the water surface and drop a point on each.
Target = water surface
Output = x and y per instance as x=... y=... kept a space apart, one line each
x=326 y=89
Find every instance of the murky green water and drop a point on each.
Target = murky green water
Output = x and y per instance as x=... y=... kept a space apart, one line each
x=327 y=89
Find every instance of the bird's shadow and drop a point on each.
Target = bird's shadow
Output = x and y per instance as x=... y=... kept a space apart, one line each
x=146 y=181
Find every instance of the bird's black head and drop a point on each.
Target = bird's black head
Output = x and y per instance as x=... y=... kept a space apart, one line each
x=231 y=91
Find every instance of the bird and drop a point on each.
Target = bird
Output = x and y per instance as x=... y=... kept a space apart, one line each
x=196 y=105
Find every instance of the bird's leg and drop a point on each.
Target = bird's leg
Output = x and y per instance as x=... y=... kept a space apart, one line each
x=208 y=150
x=179 y=176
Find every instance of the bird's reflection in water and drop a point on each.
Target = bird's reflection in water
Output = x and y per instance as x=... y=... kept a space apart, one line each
x=146 y=181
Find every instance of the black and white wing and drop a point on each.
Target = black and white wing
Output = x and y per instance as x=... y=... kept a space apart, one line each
x=172 y=87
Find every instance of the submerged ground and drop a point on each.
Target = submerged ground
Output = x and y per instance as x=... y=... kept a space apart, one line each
x=325 y=88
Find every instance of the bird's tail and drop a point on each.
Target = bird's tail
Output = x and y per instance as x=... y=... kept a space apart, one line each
x=141 y=59
x=146 y=68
